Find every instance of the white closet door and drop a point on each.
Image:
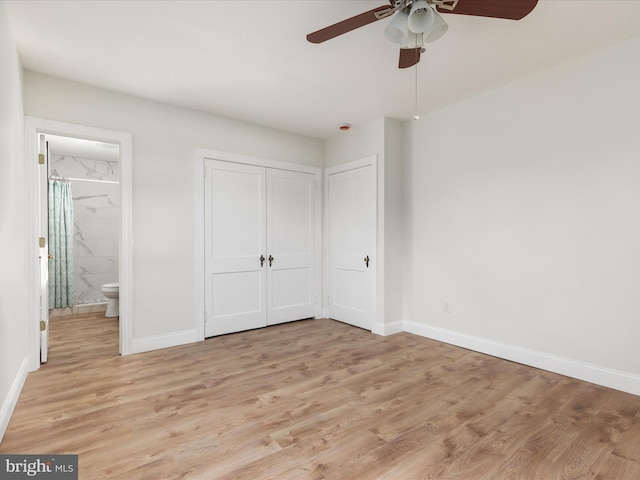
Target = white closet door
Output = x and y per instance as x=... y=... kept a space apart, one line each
x=351 y=240
x=235 y=215
x=291 y=285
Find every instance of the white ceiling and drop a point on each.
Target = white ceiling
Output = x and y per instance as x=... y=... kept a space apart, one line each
x=250 y=60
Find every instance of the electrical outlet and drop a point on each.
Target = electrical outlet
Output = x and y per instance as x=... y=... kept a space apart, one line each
x=446 y=307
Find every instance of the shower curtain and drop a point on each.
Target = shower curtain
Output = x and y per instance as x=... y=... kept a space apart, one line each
x=61 y=290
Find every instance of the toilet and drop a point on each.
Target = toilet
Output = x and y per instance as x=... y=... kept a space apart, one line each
x=112 y=292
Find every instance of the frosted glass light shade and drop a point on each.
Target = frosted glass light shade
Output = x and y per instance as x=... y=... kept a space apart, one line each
x=397 y=30
x=411 y=41
x=421 y=17
x=438 y=29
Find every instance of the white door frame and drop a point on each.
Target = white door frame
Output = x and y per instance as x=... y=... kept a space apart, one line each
x=201 y=155
x=43 y=250
x=33 y=127
x=345 y=167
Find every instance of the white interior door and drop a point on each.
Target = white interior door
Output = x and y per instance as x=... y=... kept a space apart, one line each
x=351 y=215
x=291 y=244
x=43 y=253
x=235 y=247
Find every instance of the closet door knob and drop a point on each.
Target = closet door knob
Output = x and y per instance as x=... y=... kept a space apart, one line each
x=261 y=261
x=366 y=261
x=270 y=260
x=50 y=257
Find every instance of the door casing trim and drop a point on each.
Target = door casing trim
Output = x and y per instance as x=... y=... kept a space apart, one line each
x=33 y=126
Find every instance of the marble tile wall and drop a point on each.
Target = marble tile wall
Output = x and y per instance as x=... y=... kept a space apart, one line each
x=96 y=219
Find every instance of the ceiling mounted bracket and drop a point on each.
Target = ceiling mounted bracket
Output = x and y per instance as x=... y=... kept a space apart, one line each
x=396 y=6
x=448 y=5
x=386 y=13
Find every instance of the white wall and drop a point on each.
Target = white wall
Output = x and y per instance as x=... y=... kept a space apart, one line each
x=165 y=139
x=359 y=142
x=393 y=225
x=13 y=228
x=525 y=215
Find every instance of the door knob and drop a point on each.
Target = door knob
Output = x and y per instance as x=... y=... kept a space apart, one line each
x=270 y=260
x=366 y=261
x=261 y=261
x=50 y=257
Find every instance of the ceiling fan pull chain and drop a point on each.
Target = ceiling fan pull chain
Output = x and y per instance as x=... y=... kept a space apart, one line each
x=416 y=116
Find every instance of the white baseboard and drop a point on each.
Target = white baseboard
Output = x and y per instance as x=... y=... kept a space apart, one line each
x=385 y=329
x=157 y=342
x=10 y=401
x=616 y=379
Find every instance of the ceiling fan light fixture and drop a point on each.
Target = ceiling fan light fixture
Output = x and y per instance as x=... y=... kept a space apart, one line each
x=421 y=17
x=438 y=29
x=397 y=30
x=413 y=40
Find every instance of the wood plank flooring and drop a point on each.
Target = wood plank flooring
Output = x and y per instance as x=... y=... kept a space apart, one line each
x=315 y=399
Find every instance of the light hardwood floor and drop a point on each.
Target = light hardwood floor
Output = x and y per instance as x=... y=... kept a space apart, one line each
x=315 y=399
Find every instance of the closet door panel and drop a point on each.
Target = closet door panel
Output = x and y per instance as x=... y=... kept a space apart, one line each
x=291 y=289
x=235 y=216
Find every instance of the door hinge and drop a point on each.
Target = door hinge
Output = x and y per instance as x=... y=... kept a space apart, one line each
x=41 y=158
x=43 y=325
x=42 y=242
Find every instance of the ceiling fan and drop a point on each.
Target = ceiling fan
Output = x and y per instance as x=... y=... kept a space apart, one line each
x=417 y=22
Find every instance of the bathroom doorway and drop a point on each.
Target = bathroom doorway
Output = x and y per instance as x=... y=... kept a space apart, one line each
x=84 y=222
x=95 y=165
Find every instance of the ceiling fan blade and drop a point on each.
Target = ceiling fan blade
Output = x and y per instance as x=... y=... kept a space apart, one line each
x=408 y=57
x=349 y=24
x=508 y=9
